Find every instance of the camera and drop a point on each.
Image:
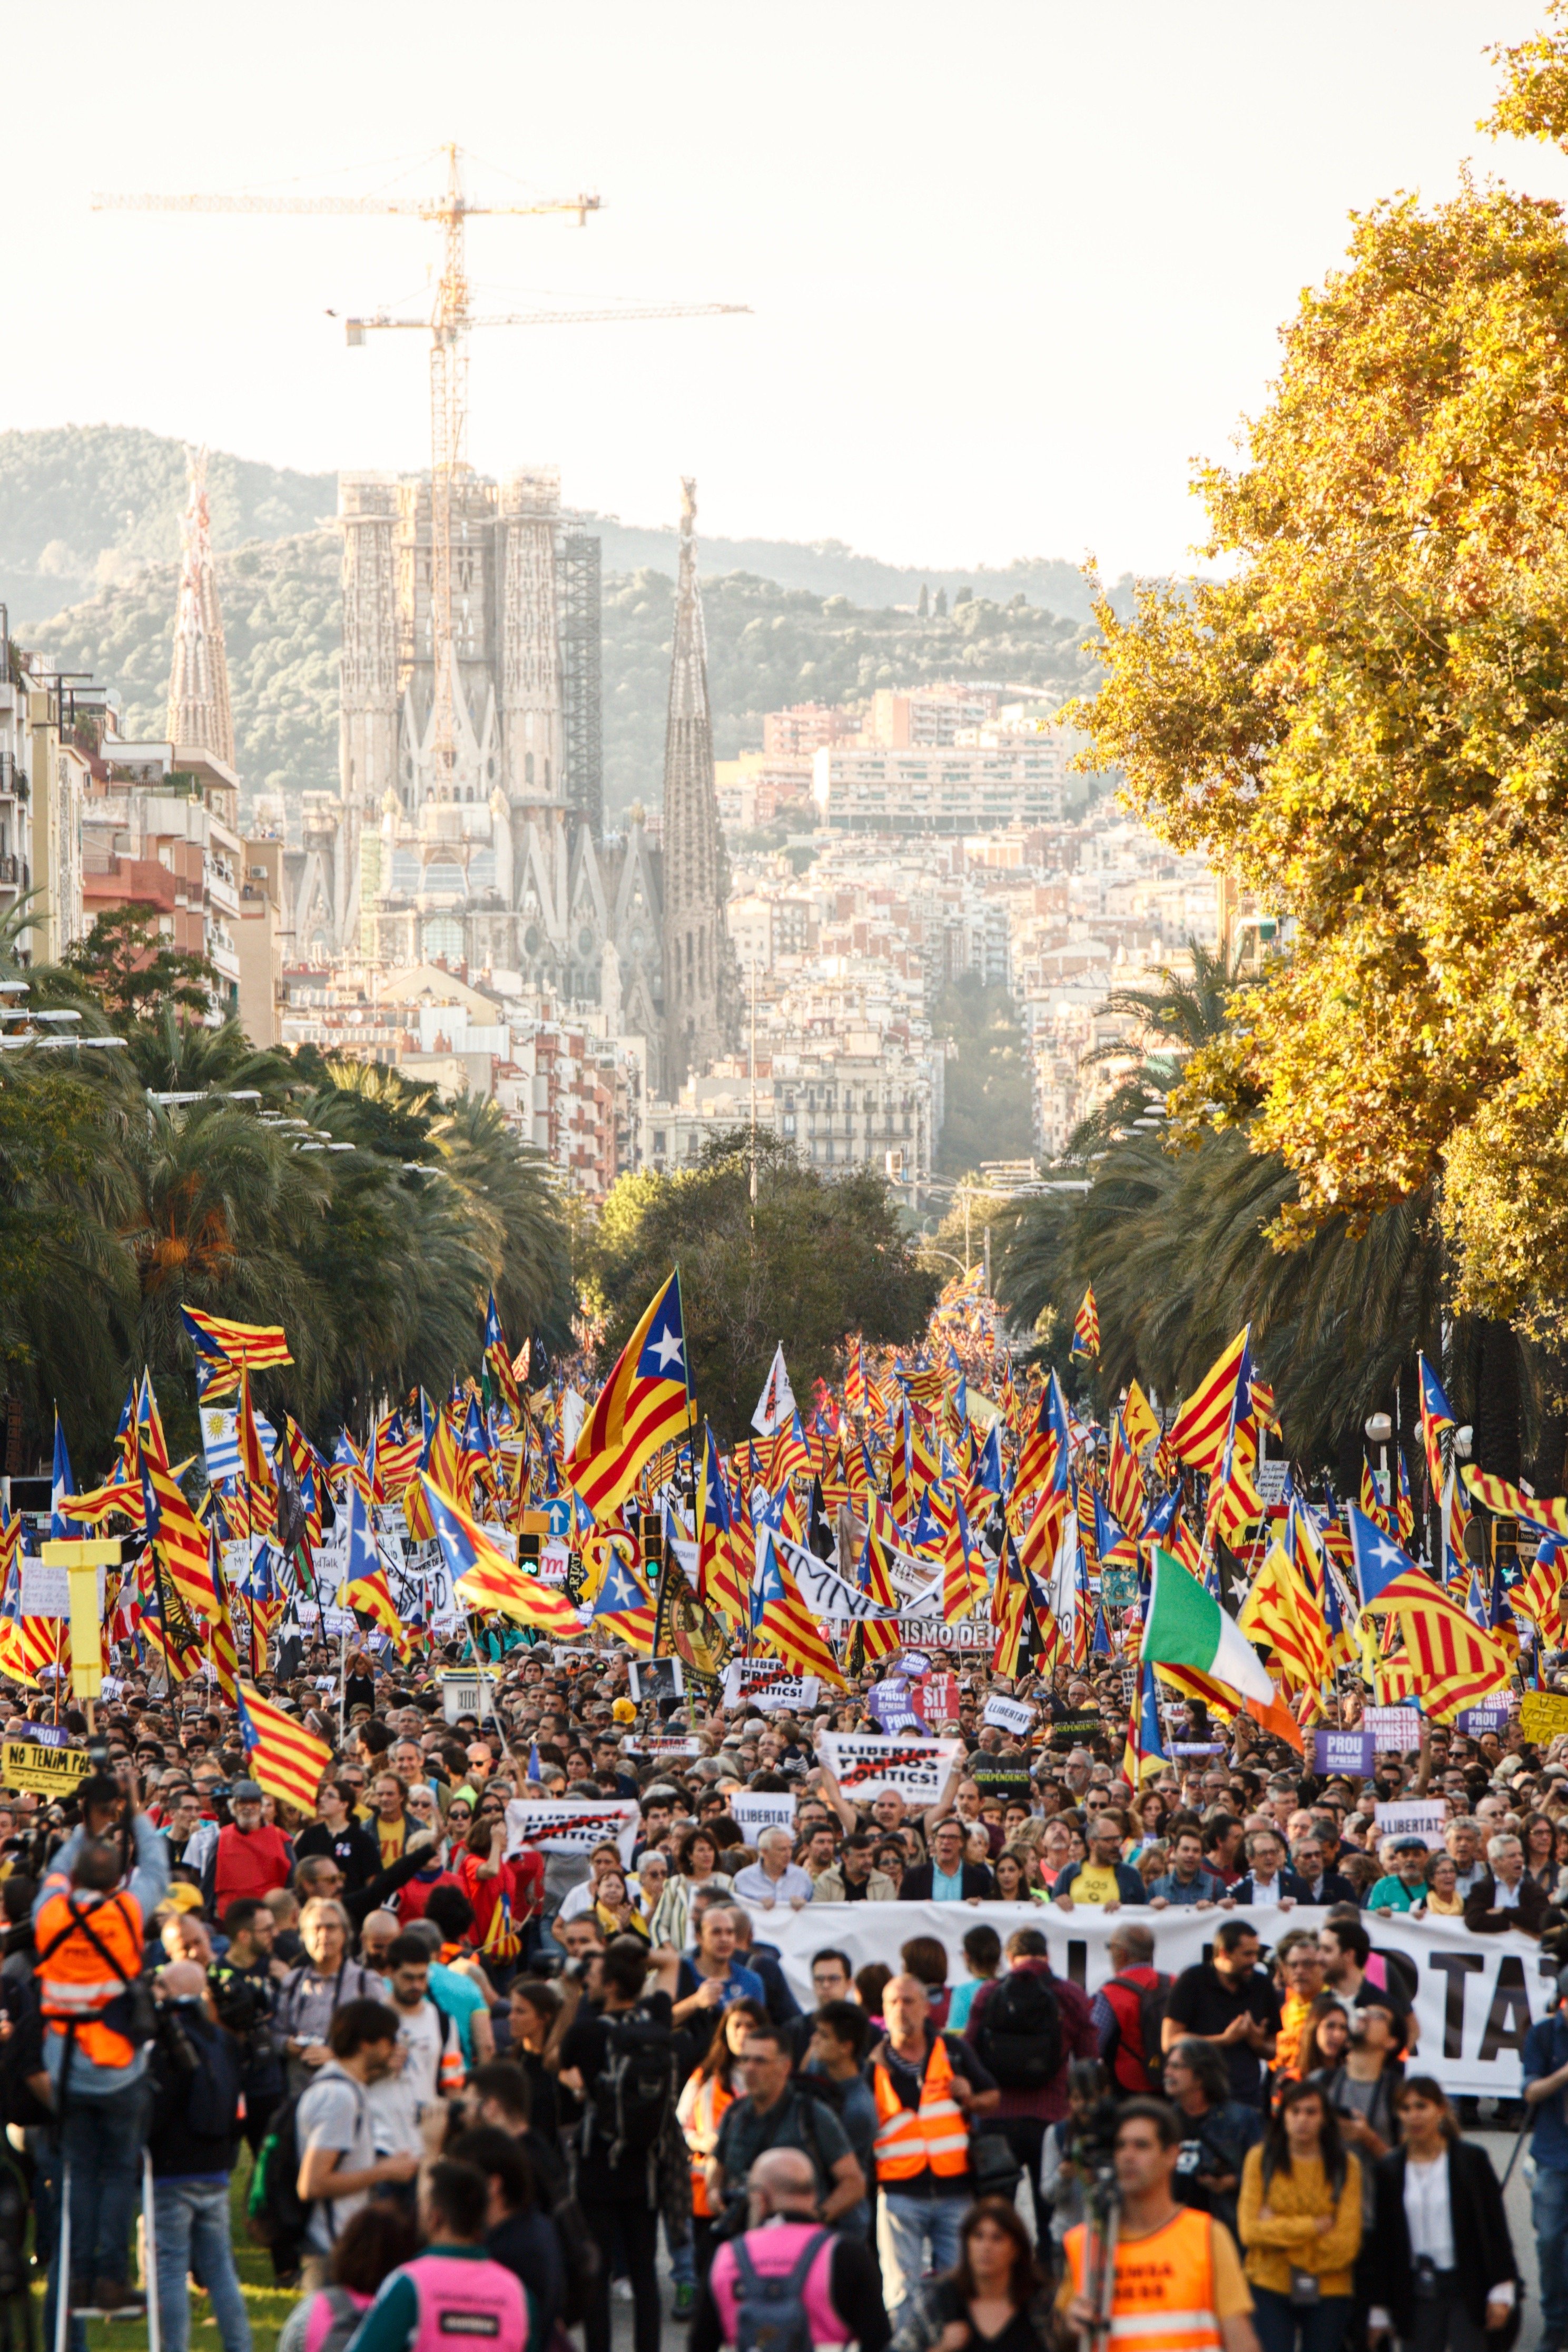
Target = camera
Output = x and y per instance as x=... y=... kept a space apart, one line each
x=1094 y=2145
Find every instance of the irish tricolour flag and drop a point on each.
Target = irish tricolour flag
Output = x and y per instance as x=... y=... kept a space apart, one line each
x=1187 y=1627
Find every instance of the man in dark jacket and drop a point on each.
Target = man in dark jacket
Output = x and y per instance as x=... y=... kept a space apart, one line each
x=193 y=2140
x=1269 y=1877
x=948 y=1877
x=1508 y=1896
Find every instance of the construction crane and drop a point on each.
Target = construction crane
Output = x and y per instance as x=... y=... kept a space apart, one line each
x=451 y=317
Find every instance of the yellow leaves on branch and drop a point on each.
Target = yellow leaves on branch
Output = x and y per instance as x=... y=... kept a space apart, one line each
x=1365 y=720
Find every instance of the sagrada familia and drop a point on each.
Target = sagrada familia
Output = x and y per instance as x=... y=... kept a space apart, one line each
x=487 y=847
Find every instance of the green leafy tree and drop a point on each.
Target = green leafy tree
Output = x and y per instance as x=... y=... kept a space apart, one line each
x=131 y=971
x=817 y=1257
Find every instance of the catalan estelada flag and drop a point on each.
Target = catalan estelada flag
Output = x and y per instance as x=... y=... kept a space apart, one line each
x=721 y=1575
x=483 y=1577
x=644 y=1403
x=285 y=1760
x=179 y=1539
x=1548 y=1512
x=1086 y=1327
x=625 y=1605
x=781 y=1621
x=223 y=1346
x=1437 y=1423
x=260 y=1486
x=1197 y=1436
x=498 y=1359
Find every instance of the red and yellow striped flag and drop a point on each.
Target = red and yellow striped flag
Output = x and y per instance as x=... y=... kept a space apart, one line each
x=1198 y=1432
x=644 y=1404
x=285 y=1760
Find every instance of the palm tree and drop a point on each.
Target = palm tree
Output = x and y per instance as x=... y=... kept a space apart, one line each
x=1174 y=1245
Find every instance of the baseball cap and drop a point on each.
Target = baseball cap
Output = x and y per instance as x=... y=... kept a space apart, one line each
x=245 y=1791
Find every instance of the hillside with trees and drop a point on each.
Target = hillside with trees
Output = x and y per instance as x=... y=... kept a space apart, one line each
x=767 y=646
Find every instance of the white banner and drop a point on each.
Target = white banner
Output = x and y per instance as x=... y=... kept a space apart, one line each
x=822 y=1589
x=917 y=1768
x=945 y=1634
x=1008 y=1713
x=1425 y=1821
x=556 y=1828
x=1475 y=1998
x=769 y=1809
x=762 y=1683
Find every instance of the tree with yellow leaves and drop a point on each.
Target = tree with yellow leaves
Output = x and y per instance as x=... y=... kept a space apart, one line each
x=1365 y=719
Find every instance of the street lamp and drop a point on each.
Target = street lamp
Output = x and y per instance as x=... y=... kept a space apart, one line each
x=1379 y=1429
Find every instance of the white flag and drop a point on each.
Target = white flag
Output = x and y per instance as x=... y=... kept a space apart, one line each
x=777 y=1403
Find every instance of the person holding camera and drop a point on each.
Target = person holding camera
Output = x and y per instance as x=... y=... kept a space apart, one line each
x=1442 y=2271
x=620 y=2062
x=1168 y=2257
x=776 y=2111
x=1217 y=2130
x=194 y=2141
x=91 y=1940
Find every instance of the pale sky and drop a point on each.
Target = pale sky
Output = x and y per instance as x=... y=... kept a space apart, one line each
x=1013 y=264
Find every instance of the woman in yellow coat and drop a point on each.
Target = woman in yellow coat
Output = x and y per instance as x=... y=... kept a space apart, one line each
x=1298 y=2218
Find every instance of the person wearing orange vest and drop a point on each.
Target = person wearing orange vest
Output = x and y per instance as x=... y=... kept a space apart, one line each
x=90 y=1932
x=707 y=2093
x=927 y=2086
x=1177 y=2283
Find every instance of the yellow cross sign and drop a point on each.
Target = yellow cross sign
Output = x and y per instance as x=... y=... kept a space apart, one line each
x=81 y=1557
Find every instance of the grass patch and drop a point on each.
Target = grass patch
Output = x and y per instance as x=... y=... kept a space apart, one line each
x=268 y=2305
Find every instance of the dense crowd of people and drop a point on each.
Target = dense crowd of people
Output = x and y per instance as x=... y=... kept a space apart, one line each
x=510 y=2128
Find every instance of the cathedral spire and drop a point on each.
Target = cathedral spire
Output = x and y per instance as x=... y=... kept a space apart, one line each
x=702 y=988
x=199 y=711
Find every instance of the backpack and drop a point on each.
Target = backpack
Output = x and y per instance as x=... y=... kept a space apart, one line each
x=635 y=2091
x=1018 y=2036
x=276 y=2213
x=1152 y=2000
x=769 y=2312
x=346 y=2317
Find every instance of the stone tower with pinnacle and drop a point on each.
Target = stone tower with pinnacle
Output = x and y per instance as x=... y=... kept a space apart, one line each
x=199 y=711
x=702 y=978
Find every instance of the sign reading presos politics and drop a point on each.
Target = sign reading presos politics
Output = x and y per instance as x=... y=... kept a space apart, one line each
x=560 y=1828
x=758 y=1683
x=916 y=1769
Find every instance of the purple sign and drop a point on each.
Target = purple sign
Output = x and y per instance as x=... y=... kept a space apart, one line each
x=1477 y=1719
x=1343 y=1751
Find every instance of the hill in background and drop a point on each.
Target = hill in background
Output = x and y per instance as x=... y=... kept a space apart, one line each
x=92 y=513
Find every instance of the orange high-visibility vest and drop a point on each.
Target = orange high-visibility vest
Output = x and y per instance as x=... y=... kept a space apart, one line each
x=934 y=2135
x=1164 y=2289
x=701 y=2128
x=77 y=1979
